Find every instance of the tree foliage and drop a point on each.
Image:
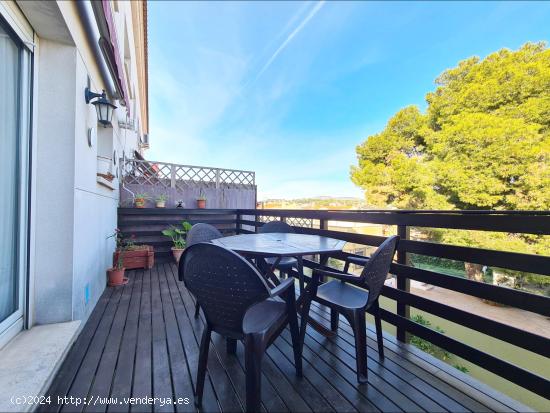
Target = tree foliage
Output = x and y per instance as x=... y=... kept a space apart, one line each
x=483 y=143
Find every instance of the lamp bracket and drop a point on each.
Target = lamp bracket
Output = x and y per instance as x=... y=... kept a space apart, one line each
x=89 y=95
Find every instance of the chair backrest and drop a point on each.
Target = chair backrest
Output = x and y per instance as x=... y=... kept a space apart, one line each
x=276 y=226
x=202 y=233
x=224 y=284
x=376 y=270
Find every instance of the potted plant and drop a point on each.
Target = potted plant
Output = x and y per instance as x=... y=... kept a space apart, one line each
x=132 y=255
x=139 y=200
x=201 y=200
x=161 y=201
x=115 y=275
x=177 y=235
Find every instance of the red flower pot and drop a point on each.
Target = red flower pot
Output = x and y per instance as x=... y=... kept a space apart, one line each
x=201 y=203
x=139 y=203
x=116 y=277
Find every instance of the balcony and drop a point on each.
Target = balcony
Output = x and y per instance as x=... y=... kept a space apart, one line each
x=142 y=339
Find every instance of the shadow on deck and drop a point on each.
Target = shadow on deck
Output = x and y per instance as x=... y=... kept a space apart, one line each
x=142 y=341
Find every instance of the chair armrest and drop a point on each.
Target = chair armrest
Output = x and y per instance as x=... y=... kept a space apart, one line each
x=282 y=288
x=339 y=275
x=357 y=260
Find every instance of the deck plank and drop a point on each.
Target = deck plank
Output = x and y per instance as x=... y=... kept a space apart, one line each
x=122 y=380
x=86 y=373
x=425 y=379
x=190 y=343
x=142 y=379
x=428 y=376
x=69 y=368
x=142 y=340
x=101 y=386
x=162 y=374
x=181 y=379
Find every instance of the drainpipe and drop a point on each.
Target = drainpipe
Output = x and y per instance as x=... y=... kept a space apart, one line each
x=87 y=19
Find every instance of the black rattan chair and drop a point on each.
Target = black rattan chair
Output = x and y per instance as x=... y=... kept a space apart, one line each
x=286 y=264
x=352 y=302
x=201 y=233
x=238 y=304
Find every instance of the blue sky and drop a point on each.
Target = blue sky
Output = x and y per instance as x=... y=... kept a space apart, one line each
x=288 y=89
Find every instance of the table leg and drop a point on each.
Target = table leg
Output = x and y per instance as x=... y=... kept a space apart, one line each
x=270 y=272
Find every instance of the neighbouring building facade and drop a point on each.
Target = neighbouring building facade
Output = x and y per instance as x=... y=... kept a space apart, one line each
x=58 y=163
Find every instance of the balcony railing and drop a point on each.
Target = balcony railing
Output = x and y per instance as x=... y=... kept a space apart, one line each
x=518 y=222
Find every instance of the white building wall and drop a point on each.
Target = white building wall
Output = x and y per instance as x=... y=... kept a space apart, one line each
x=72 y=213
x=55 y=171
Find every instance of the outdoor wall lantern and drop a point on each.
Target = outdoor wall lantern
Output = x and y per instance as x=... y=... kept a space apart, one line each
x=103 y=107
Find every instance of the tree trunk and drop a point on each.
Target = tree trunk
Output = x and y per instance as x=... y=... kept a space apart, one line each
x=473 y=271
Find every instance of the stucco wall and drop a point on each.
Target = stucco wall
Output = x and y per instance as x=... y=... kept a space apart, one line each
x=55 y=171
x=72 y=213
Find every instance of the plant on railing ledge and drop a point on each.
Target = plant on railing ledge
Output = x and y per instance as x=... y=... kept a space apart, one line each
x=160 y=200
x=139 y=200
x=201 y=200
x=430 y=348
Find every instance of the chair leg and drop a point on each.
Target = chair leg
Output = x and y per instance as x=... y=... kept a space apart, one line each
x=253 y=369
x=346 y=266
x=197 y=309
x=300 y=269
x=295 y=335
x=334 y=319
x=357 y=320
x=201 y=371
x=231 y=346
x=378 y=324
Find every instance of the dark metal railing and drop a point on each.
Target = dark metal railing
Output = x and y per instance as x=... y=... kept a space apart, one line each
x=519 y=222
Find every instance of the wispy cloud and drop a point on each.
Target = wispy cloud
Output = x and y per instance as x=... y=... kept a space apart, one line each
x=314 y=10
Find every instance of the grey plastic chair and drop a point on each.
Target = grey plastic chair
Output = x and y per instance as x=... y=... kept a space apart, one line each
x=287 y=263
x=238 y=304
x=344 y=298
x=201 y=233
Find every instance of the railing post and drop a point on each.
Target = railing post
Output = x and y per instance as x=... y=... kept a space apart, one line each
x=239 y=226
x=403 y=283
x=172 y=176
x=323 y=259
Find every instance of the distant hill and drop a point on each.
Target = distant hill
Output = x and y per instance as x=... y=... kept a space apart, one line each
x=320 y=202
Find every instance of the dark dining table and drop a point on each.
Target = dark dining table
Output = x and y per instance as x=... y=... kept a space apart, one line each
x=280 y=245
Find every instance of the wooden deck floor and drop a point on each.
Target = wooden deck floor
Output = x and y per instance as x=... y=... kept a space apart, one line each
x=142 y=341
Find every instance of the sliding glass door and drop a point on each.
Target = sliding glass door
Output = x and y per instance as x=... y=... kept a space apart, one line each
x=14 y=156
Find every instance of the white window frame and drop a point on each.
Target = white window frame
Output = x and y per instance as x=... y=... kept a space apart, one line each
x=9 y=12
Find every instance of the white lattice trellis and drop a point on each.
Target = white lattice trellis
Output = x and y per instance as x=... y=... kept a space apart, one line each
x=136 y=171
x=300 y=222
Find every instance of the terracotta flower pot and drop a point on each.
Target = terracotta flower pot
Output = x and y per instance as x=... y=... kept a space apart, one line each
x=177 y=253
x=161 y=204
x=139 y=202
x=116 y=277
x=201 y=203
